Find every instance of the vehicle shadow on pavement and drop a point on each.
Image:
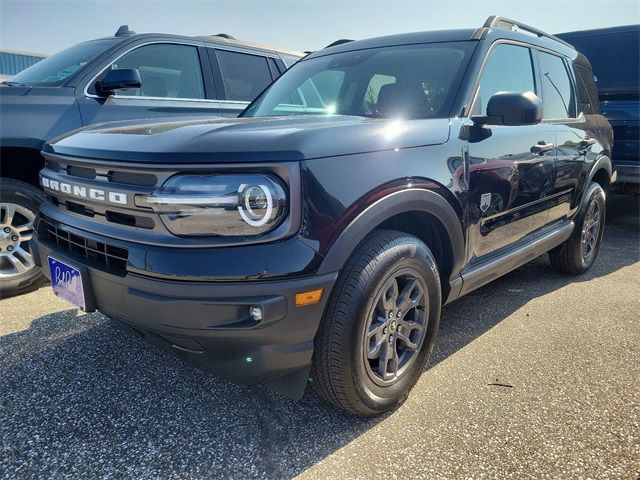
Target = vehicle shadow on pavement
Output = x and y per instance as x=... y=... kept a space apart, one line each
x=80 y=397
x=469 y=317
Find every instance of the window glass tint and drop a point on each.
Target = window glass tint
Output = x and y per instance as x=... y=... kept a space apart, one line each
x=508 y=69
x=373 y=91
x=244 y=76
x=411 y=81
x=56 y=68
x=166 y=70
x=557 y=90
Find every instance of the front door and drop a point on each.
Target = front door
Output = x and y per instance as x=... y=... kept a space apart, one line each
x=511 y=168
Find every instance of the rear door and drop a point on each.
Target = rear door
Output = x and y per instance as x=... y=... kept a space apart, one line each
x=560 y=111
x=176 y=82
x=240 y=77
x=511 y=168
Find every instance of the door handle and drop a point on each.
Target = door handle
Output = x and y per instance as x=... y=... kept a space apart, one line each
x=586 y=143
x=542 y=147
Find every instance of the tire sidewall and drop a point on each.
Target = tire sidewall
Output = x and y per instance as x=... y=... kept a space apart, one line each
x=417 y=257
x=594 y=193
x=12 y=191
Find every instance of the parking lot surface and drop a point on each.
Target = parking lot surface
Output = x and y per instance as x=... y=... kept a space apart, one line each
x=534 y=376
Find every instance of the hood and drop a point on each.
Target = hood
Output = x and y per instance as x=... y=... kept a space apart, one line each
x=29 y=116
x=248 y=139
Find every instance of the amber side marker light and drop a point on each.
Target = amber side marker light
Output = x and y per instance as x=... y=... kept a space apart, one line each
x=308 y=298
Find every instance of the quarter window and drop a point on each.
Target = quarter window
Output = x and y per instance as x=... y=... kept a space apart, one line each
x=244 y=76
x=558 y=99
x=508 y=69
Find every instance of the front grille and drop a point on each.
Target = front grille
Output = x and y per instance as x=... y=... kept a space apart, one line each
x=82 y=172
x=101 y=255
x=133 y=178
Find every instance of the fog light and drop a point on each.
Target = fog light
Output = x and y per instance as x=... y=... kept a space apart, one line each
x=255 y=313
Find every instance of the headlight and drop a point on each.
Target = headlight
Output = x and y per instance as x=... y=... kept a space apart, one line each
x=227 y=205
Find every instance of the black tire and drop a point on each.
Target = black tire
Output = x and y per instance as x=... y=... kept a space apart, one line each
x=339 y=368
x=570 y=257
x=17 y=193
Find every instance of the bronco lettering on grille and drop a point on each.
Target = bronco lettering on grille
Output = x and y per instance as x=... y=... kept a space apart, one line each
x=84 y=192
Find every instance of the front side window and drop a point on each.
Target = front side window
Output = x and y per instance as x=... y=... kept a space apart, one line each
x=166 y=70
x=508 y=69
x=558 y=99
x=244 y=75
x=410 y=81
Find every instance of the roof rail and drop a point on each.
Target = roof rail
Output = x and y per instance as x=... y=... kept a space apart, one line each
x=339 y=42
x=496 y=21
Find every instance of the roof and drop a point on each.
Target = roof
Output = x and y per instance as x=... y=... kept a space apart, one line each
x=495 y=27
x=398 y=39
x=247 y=43
x=214 y=39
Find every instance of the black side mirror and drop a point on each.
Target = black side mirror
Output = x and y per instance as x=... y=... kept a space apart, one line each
x=511 y=108
x=119 y=78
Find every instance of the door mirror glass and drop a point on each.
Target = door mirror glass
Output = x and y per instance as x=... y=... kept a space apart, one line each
x=513 y=109
x=119 y=78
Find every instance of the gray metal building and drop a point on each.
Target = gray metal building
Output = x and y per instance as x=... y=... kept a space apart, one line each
x=12 y=62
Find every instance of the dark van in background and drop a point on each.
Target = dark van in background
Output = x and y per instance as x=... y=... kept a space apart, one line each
x=124 y=77
x=614 y=54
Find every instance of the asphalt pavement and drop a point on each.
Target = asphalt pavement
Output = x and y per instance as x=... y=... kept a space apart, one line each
x=536 y=375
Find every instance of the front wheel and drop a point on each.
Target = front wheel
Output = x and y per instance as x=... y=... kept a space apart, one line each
x=380 y=325
x=579 y=252
x=18 y=206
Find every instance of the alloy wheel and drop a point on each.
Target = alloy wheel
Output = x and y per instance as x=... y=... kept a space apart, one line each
x=396 y=326
x=16 y=229
x=591 y=231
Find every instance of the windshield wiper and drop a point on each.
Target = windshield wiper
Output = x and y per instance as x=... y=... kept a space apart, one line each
x=12 y=84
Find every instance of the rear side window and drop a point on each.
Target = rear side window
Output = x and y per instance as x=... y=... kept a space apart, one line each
x=167 y=71
x=587 y=92
x=558 y=98
x=508 y=69
x=244 y=75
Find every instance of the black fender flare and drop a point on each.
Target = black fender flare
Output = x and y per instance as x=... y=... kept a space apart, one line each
x=409 y=200
x=603 y=162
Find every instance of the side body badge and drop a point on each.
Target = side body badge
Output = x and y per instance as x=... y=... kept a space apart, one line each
x=485 y=202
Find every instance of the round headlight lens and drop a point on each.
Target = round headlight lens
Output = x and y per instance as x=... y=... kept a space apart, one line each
x=226 y=205
x=257 y=204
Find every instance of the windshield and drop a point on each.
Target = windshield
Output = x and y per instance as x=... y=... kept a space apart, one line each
x=56 y=68
x=411 y=81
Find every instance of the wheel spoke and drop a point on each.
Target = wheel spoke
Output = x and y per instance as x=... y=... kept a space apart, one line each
x=410 y=296
x=388 y=364
x=375 y=338
x=9 y=210
x=17 y=263
x=389 y=297
x=406 y=332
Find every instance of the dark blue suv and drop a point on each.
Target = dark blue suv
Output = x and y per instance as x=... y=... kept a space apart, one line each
x=126 y=76
x=321 y=232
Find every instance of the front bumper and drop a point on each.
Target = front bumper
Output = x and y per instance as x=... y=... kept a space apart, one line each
x=208 y=323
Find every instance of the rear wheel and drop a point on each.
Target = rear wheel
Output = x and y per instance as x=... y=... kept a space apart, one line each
x=18 y=206
x=579 y=252
x=379 y=326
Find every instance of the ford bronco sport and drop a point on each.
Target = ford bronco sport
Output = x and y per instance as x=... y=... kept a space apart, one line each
x=320 y=234
x=127 y=76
